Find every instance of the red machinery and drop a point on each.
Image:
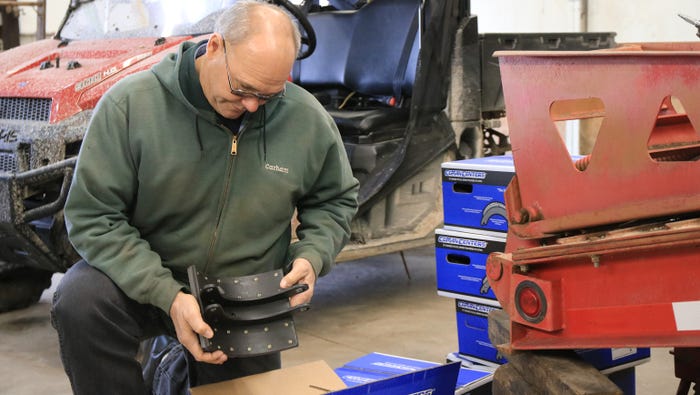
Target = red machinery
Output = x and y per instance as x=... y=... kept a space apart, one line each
x=603 y=251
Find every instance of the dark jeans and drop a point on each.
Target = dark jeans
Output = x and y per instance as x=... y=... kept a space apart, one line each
x=100 y=329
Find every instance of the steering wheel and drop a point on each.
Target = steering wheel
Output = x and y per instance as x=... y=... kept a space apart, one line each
x=308 y=35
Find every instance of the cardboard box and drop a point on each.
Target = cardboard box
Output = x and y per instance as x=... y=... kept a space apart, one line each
x=473 y=190
x=460 y=263
x=312 y=378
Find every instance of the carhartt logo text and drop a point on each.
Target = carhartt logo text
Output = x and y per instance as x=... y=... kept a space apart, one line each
x=276 y=168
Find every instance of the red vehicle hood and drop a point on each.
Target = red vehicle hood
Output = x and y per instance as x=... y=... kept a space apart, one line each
x=74 y=89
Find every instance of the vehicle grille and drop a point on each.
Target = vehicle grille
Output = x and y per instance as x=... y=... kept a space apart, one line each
x=25 y=108
x=8 y=162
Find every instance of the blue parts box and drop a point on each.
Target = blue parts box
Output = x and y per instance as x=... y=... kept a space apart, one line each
x=472 y=191
x=622 y=375
x=475 y=346
x=460 y=261
x=625 y=379
x=474 y=379
x=438 y=380
x=388 y=365
x=473 y=333
x=384 y=374
x=613 y=359
x=390 y=374
x=352 y=377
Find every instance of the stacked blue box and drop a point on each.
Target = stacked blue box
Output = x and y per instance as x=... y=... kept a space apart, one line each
x=473 y=191
x=473 y=333
x=625 y=380
x=609 y=360
x=475 y=226
x=617 y=363
x=460 y=260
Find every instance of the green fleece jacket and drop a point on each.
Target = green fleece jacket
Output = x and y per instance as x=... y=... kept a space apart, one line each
x=157 y=188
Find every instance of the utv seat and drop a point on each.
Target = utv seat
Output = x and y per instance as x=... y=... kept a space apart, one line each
x=364 y=66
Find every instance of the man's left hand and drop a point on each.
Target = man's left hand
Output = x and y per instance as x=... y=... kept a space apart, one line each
x=302 y=273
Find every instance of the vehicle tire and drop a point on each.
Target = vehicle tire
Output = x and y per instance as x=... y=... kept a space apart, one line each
x=22 y=287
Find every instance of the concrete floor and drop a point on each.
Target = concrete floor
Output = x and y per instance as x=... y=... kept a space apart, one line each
x=360 y=307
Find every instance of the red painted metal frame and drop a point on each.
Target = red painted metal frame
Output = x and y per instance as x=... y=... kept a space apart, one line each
x=606 y=282
x=621 y=182
x=606 y=289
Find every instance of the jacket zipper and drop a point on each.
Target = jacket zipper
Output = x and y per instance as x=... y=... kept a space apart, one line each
x=219 y=215
x=234 y=144
x=224 y=199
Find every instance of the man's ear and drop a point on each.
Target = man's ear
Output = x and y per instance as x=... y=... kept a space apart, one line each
x=216 y=42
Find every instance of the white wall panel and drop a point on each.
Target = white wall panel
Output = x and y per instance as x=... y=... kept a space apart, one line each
x=632 y=20
x=511 y=16
x=644 y=20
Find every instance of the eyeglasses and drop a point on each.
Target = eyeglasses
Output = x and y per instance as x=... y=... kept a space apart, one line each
x=248 y=94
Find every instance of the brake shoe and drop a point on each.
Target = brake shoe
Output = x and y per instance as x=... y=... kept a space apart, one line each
x=250 y=315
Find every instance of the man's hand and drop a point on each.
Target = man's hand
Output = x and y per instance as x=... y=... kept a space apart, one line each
x=302 y=273
x=188 y=322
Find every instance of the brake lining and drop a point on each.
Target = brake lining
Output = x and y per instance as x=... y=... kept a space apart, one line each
x=250 y=315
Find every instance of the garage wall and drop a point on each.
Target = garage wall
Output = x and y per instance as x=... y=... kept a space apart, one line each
x=511 y=16
x=638 y=20
x=633 y=20
x=645 y=20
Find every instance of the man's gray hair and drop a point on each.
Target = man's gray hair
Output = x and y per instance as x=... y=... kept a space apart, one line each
x=235 y=23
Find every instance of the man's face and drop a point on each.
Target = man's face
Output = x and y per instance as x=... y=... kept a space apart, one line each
x=245 y=76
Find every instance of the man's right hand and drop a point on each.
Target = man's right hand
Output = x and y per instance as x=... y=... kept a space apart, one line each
x=188 y=322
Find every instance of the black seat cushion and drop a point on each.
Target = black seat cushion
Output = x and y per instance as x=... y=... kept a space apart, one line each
x=361 y=122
